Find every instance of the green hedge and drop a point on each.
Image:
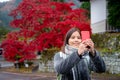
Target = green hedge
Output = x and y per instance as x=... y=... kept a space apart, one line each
x=107 y=42
x=48 y=54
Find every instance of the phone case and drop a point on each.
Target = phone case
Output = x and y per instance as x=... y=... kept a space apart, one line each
x=85 y=35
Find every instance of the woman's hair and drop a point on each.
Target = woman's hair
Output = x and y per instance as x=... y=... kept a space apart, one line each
x=68 y=35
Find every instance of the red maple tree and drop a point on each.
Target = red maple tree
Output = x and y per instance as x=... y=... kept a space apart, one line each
x=43 y=24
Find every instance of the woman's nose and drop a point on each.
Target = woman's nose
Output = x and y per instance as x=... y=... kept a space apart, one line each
x=76 y=39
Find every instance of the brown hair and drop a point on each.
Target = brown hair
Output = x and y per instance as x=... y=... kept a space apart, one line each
x=67 y=36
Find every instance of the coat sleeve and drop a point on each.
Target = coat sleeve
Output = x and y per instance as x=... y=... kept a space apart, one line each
x=62 y=66
x=97 y=63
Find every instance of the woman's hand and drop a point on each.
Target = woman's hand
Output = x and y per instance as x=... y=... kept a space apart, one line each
x=82 y=48
x=90 y=43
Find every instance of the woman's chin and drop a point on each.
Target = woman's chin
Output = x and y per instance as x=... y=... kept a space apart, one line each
x=75 y=47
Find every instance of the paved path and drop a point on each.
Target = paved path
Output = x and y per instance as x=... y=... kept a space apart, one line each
x=47 y=76
x=19 y=76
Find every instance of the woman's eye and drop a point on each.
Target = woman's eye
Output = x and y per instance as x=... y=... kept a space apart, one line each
x=72 y=37
x=79 y=37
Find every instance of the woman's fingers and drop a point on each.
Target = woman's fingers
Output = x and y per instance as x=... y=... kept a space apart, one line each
x=88 y=42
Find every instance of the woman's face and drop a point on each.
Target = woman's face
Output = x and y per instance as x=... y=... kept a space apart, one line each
x=75 y=39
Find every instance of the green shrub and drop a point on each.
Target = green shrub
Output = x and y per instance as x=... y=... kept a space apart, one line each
x=107 y=42
x=48 y=54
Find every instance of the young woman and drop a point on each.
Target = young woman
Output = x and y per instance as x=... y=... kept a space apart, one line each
x=75 y=61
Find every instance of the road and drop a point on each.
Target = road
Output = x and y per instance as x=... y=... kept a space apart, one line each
x=19 y=76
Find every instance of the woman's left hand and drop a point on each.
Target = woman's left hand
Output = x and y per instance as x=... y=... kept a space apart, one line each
x=91 y=48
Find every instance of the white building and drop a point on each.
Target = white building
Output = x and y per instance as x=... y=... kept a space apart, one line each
x=98 y=15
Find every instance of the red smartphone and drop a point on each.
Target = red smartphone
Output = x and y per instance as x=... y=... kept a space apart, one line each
x=85 y=35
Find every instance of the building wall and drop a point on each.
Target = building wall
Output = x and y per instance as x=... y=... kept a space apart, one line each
x=99 y=27
x=98 y=15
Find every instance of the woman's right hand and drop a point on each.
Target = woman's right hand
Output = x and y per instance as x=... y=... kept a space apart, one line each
x=82 y=48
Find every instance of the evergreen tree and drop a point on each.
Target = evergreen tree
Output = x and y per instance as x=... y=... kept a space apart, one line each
x=114 y=13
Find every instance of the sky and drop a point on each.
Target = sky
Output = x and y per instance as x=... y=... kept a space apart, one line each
x=4 y=0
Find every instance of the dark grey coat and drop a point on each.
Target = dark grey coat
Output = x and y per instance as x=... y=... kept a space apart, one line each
x=76 y=67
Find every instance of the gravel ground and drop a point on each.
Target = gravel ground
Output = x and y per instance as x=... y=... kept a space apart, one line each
x=105 y=76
